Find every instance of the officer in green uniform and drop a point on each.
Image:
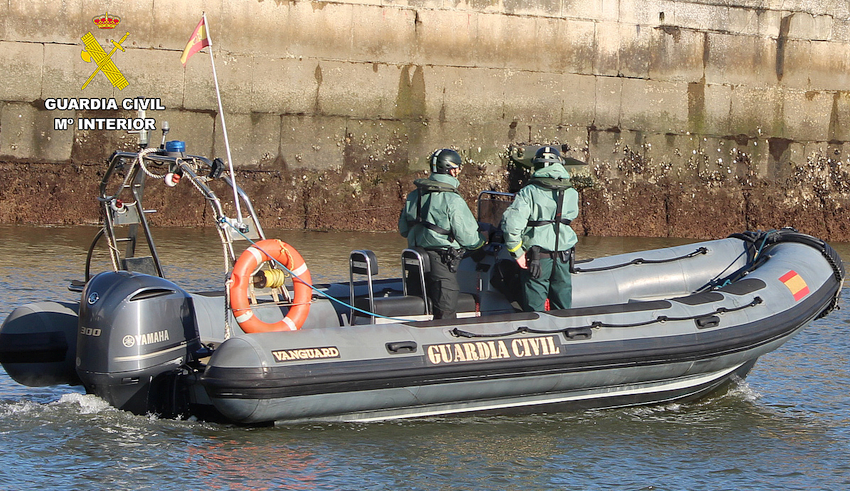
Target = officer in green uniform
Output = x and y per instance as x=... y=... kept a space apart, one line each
x=537 y=232
x=436 y=218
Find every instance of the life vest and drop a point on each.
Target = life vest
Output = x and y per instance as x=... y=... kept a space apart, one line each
x=558 y=186
x=428 y=186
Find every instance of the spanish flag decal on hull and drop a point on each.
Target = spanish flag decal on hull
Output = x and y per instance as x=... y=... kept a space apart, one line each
x=796 y=284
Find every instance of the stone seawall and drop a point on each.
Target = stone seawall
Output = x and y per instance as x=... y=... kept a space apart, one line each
x=697 y=118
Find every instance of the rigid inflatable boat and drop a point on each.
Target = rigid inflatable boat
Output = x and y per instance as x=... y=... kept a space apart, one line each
x=647 y=327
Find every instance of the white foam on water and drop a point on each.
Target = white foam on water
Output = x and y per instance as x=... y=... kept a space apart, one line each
x=743 y=390
x=17 y=408
x=89 y=404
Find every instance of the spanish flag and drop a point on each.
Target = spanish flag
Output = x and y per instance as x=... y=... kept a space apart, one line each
x=796 y=284
x=198 y=41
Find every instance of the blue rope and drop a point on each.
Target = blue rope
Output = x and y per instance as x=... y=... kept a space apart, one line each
x=333 y=299
x=763 y=242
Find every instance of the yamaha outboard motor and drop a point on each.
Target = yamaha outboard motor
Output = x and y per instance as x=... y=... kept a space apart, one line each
x=136 y=333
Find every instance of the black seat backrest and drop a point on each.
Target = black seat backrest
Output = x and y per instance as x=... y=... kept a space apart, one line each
x=415 y=263
x=362 y=262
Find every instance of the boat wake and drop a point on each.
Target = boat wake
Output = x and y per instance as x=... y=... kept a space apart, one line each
x=88 y=403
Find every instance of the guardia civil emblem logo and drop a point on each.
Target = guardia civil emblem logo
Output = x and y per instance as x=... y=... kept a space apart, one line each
x=94 y=52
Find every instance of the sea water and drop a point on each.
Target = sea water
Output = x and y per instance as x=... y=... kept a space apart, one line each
x=786 y=427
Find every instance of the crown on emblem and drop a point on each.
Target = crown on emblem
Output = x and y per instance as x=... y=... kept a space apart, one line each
x=105 y=21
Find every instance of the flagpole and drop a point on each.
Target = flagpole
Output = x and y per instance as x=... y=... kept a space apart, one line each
x=223 y=126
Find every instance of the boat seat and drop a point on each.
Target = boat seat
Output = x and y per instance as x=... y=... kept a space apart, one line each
x=415 y=264
x=407 y=305
x=362 y=262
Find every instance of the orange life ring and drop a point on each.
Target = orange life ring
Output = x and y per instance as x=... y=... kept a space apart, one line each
x=247 y=264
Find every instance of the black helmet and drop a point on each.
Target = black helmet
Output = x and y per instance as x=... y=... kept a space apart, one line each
x=444 y=160
x=545 y=157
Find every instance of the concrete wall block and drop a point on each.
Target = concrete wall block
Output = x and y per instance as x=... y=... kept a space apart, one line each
x=716 y=110
x=254 y=139
x=725 y=161
x=807 y=114
x=562 y=46
x=483 y=142
x=5 y=18
x=377 y=146
x=20 y=70
x=584 y=9
x=477 y=142
x=741 y=60
x=576 y=47
x=757 y=152
x=376 y=3
x=579 y=100
x=423 y=4
x=515 y=45
x=606 y=60
x=669 y=154
x=384 y=34
x=471 y=95
x=235 y=79
x=838 y=9
x=756 y=112
x=805 y=25
x=839 y=121
x=816 y=65
x=841 y=30
x=500 y=38
x=546 y=8
x=646 y=13
x=609 y=11
x=609 y=102
x=655 y=106
x=604 y=147
x=48 y=21
x=575 y=137
x=446 y=37
x=256 y=28
x=312 y=142
x=363 y=90
x=336 y=22
x=285 y=86
x=676 y=55
x=754 y=4
x=545 y=52
x=533 y=97
x=753 y=22
x=27 y=133
x=703 y=17
x=636 y=45
x=298 y=37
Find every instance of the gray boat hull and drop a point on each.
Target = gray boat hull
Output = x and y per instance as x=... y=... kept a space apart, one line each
x=636 y=352
x=648 y=327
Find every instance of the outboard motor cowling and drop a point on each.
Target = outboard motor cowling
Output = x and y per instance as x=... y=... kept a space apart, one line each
x=135 y=333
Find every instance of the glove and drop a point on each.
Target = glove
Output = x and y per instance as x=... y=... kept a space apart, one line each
x=485 y=229
x=533 y=262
